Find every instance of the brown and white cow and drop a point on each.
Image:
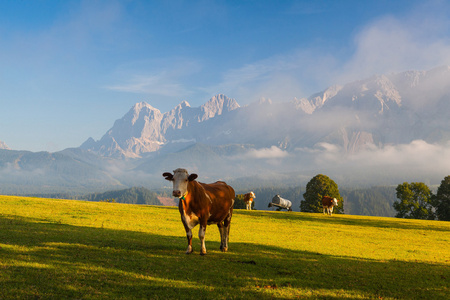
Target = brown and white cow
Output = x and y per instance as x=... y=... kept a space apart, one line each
x=203 y=204
x=328 y=203
x=248 y=199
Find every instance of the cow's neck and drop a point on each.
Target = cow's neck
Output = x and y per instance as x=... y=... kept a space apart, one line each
x=189 y=190
x=188 y=193
x=194 y=189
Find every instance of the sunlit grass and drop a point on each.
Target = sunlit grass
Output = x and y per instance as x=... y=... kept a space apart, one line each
x=74 y=249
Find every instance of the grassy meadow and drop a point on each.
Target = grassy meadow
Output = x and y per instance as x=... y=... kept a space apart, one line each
x=65 y=249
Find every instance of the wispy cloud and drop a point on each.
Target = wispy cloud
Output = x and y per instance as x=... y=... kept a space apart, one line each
x=163 y=77
x=157 y=84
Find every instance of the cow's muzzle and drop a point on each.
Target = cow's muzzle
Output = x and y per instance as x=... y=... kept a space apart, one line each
x=176 y=193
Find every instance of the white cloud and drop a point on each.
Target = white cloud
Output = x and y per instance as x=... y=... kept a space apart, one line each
x=417 y=159
x=418 y=154
x=418 y=41
x=265 y=153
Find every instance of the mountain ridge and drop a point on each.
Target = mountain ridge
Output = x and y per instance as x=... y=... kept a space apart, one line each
x=365 y=113
x=379 y=130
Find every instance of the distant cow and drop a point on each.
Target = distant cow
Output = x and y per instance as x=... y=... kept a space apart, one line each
x=248 y=199
x=203 y=204
x=328 y=203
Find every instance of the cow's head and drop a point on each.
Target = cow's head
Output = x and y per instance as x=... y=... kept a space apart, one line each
x=334 y=202
x=180 y=179
x=252 y=195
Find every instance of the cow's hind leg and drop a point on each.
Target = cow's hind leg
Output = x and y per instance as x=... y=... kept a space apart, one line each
x=225 y=231
x=222 y=232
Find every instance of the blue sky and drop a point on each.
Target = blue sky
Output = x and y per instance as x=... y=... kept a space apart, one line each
x=69 y=69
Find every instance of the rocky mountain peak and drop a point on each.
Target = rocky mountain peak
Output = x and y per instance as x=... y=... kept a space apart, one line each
x=182 y=105
x=4 y=146
x=144 y=128
x=375 y=94
x=216 y=106
x=317 y=100
x=140 y=111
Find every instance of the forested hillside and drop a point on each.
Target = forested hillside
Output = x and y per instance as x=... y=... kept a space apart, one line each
x=374 y=201
x=133 y=195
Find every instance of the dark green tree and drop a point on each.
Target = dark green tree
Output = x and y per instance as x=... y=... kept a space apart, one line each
x=442 y=200
x=415 y=201
x=317 y=187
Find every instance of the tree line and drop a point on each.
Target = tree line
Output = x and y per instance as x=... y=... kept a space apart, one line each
x=417 y=201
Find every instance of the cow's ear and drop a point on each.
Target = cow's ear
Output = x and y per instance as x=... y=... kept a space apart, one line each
x=192 y=177
x=168 y=176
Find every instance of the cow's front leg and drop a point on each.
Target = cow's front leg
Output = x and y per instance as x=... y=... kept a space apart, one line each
x=201 y=236
x=324 y=209
x=188 y=234
x=189 y=238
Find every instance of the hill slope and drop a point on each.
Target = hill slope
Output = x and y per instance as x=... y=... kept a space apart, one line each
x=109 y=250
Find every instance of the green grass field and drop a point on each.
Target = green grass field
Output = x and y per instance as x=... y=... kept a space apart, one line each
x=59 y=249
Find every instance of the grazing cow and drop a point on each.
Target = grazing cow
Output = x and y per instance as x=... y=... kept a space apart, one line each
x=328 y=203
x=248 y=199
x=203 y=204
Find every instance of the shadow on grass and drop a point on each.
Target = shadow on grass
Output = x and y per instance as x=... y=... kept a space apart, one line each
x=50 y=260
x=362 y=221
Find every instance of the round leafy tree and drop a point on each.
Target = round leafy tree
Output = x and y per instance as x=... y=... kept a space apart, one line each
x=317 y=187
x=414 y=201
x=442 y=200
